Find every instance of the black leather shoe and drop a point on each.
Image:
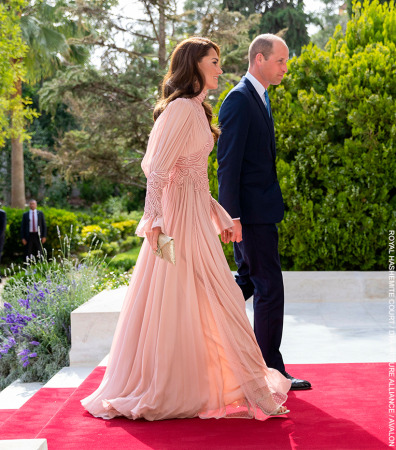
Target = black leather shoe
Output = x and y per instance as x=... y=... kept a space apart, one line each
x=297 y=385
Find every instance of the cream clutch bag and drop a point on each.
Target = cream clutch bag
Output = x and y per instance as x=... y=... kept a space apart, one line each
x=166 y=248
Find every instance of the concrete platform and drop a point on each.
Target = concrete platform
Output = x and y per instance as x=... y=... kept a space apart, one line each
x=24 y=444
x=92 y=327
x=69 y=377
x=17 y=394
x=335 y=287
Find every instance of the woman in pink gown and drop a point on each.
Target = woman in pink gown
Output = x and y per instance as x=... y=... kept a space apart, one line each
x=184 y=346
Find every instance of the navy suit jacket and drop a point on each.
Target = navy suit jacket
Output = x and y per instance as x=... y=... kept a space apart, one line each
x=25 y=225
x=246 y=152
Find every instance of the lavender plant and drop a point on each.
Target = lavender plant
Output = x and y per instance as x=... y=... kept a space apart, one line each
x=35 y=315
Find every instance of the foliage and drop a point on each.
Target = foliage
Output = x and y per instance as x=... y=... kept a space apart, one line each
x=47 y=29
x=231 y=30
x=125 y=261
x=58 y=221
x=328 y=18
x=334 y=117
x=12 y=52
x=195 y=12
x=35 y=333
x=124 y=206
x=111 y=236
x=115 y=116
x=113 y=104
x=95 y=190
x=290 y=18
x=113 y=278
x=114 y=233
x=44 y=132
x=279 y=16
x=337 y=177
x=349 y=4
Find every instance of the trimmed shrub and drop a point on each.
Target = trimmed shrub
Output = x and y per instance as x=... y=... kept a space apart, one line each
x=111 y=236
x=125 y=261
x=335 y=124
x=126 y=227
x=81 y=228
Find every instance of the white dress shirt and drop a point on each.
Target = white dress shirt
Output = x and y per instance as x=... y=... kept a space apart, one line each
x=31 y=212
x=258 y=86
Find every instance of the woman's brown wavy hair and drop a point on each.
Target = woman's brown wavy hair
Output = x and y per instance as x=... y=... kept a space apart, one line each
x=184 y=78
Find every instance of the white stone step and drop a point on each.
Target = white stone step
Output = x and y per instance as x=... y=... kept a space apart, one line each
x=17 y=394
x=93 y=325
x=69 y=377
x=24 y=444
x=335 y=287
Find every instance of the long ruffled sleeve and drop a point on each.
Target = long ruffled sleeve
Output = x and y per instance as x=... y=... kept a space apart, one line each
x=166 y=143
x=220 y=217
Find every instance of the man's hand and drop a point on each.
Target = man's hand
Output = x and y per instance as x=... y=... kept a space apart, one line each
x=24 y=241
x=152 y=237
x=43 y=239
x=237 y=235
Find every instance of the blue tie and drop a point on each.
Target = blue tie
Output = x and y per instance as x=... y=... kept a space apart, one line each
x=267 y=103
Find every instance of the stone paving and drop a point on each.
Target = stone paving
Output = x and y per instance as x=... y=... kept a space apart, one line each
x=326 y=332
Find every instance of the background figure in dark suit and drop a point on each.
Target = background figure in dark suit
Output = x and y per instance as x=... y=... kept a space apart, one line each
x=33 y=229
x=249 y=190
x=3 y=224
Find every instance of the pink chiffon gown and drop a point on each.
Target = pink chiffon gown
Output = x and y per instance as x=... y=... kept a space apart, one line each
x=184 y=346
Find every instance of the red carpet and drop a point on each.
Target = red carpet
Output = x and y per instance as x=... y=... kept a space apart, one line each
x=5 y=414
x=345 y=410
x=29 y=420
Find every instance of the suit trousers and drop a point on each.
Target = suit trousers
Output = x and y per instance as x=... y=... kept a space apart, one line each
x=33 y=246
x=260 y=275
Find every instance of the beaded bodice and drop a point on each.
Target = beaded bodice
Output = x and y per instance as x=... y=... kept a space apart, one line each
x=194 y=168
x=190 y=167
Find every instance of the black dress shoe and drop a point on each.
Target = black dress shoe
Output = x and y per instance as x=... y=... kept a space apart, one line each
x=297 y=385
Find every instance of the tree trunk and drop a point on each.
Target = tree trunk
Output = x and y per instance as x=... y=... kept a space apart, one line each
x=162 y=36
x=18 y=199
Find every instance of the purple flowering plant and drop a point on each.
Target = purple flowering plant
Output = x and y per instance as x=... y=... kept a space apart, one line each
x=37 y=300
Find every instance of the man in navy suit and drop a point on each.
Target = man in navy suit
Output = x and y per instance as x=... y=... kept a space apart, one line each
x=249 y=190
x=33 y=230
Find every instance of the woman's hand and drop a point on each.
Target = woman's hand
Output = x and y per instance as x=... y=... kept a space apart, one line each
x=226 y=235
x=152 y=237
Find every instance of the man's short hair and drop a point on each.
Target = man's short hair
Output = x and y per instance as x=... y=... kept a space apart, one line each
x=263 y=44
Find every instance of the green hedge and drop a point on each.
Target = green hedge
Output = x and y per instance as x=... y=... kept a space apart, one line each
x=335 y=116
x=55 y=219
x=335 y=124
x=113 y=236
